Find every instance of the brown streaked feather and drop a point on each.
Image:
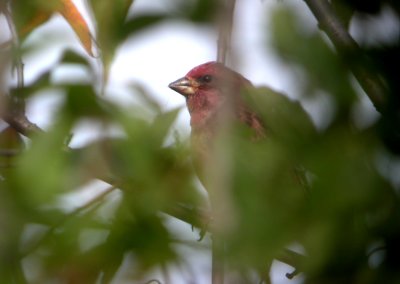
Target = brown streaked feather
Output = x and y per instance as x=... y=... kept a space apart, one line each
x=251 y=119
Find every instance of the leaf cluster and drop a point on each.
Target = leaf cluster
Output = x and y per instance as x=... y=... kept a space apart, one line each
x=330 y=191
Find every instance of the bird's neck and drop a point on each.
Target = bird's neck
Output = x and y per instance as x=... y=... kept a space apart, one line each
x=202 y=108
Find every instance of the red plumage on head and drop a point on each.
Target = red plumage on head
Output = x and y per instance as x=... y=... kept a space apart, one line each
x=212 y=89
x=219 y=71
x=208 y=88
x=211 y=67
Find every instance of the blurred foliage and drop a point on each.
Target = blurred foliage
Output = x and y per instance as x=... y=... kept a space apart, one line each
x=30 y=14
x=384 y=58
x=347 y=223
x=369 y=6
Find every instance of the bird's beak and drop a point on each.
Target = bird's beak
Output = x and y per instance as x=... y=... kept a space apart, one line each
x=184 y=86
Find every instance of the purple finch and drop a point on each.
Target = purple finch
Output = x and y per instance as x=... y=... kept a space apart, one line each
x=212 y=89
x=214 y=93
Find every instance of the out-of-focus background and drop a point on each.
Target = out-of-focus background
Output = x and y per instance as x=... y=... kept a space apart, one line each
x=346 y=228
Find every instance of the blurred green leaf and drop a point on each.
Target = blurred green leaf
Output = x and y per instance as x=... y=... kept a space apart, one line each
x=40 y=177
x=110 y=17
x=163 y=123
x=146 y=97
x=81 y=101
x=42 y=82
x=70 y=56
x=352 y=205
x=308 y=50
x=203 y=11
x=285 y=119
x=139 y=23
x=29 y=14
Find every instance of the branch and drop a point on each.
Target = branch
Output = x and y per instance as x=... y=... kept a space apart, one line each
x=14 y=115
x=291 y=258
x=75 y=212
x=22 y=124
x=202 y=219
x=196 y=217
x=349 y=50
x=225 y=23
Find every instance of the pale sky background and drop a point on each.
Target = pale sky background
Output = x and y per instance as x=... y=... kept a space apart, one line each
x=164 y=53
x=160 y=55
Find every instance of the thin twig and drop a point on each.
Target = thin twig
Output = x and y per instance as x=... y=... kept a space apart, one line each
x=197 y=217
x=225 y=24
x=67 y=217
x=22 y=124
x=14 y=115
x=291 y=258
x=348 y=48
x=19 y=66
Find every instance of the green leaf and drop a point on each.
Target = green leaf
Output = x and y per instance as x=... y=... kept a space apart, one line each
x=307 y=50
x=163 y=122
x=139 y=23
x=70 y=56
x=81 y=101
x=41 y=83
x=284 y=118
x=42 y=171
x=110 y=17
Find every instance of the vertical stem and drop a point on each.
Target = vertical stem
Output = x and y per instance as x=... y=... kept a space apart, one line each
x=217 y=276
x=225 y=23
x=17 y=61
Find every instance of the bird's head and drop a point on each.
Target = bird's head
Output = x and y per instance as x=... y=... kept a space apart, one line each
x=207 y=86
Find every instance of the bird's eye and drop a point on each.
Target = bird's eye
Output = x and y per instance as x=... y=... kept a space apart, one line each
x=206 y=78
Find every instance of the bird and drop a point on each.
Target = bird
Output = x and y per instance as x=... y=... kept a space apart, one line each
x=212 y=90
x=216 y=98
x=213 y=94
